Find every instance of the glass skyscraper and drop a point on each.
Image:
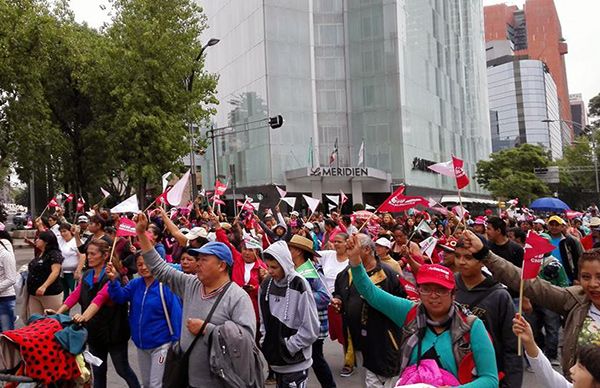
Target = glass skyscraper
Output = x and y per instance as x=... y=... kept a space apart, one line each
x=405 y=77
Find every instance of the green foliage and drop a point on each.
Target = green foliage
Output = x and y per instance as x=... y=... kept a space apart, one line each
x=81 y=108
x=509 y=173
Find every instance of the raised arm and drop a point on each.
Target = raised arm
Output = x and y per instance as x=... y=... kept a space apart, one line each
x=172 y=228
x=392 y=306
x=162 y=271
x=558 y=299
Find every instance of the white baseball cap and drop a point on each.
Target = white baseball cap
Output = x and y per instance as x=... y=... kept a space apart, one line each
x=539 y=221
x=384 y=242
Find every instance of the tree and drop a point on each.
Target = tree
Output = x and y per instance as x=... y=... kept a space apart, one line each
x=509 y=173
x=81 y=108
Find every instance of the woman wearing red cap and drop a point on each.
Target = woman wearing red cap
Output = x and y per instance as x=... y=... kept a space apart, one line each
x=441 y=345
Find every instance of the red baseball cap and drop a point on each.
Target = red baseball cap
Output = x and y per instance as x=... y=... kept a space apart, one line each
x=436 y=274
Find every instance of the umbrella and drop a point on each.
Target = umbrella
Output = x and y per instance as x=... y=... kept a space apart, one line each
x=363 y=215
x=549 y=204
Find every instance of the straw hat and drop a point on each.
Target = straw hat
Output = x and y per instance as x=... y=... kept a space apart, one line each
x=303 y=243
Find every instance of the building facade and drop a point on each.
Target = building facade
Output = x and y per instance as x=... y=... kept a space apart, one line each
x=406 y=78
x=578 y=113
x=536 y=33
x=524 y=106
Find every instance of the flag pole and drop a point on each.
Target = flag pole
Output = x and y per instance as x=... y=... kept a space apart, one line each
x=237 y=215
x=148 y=207
x=366 y=222
x=519 y=342
x=43 y=211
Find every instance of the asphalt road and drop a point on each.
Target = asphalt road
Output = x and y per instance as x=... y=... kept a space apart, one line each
x=332 y=350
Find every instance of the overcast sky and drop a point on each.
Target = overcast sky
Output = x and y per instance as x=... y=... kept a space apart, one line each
x=579 y=20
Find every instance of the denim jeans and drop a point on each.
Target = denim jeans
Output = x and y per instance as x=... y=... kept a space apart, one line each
x=7 y=315
x=320 y=366
x=549 y=321
x=118 y=355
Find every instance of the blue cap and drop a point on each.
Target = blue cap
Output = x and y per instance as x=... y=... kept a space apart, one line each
x=218 y=249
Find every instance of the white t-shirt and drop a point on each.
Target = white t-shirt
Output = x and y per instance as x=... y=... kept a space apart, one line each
x=247 y=271
x=70 y=254
x=331 y=268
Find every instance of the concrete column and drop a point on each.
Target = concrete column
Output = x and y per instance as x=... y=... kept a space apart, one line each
x=357 y=191
x=316 y=188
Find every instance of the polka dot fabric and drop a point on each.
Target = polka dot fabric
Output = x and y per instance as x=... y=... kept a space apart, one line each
x=45 y=360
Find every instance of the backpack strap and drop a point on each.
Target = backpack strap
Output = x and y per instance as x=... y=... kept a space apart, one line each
x=166 y=311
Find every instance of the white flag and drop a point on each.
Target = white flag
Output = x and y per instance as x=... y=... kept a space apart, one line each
x=369 y=207
x=460 y=211
x=444 y=168
x=104 y=192
x=332 y=206
x=333 y=198
x=424 y=227
x=165 y=181
x=176 y=193
x=361 y=153
x=130 y=205
x=428 y=245
x=312 y=202
x=290 y=201
x=256 y=205
x=282 y=192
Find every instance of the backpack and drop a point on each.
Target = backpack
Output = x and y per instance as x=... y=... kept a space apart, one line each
x=235 y=358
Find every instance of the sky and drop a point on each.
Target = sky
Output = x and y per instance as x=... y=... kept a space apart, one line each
x=579 y=21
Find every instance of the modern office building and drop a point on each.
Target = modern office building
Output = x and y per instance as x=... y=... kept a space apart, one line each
x=523 y=101
x=536 y=33
x=406 y=78
x=578 y=113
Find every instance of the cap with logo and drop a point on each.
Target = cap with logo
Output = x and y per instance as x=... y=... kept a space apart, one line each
x=436 y=274
x=557 y=219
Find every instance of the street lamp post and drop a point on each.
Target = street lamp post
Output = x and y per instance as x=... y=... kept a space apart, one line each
x=189 y=84
x=594 y=145
x=272 y=122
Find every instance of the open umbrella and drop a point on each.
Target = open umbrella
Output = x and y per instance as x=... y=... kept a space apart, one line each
x=549 y=204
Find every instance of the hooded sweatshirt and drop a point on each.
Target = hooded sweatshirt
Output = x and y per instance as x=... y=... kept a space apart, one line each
x=491 y=302
x=289 y=322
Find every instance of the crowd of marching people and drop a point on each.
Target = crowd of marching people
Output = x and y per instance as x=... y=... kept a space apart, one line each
x=432 y=296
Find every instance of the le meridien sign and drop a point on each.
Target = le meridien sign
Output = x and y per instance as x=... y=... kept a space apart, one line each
x=339 y=171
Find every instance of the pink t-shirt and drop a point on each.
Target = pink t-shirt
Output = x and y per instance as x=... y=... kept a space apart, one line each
x=99 y=300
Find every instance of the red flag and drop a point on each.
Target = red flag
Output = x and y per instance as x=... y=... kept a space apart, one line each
x=573 y=214
x=126 y=227
x=53 y=203
x=398 y=202
x=80 y=205
x=220 y=188
x=535 y=248
x=462 y=180
x=69 y=198
x=162 y=199
x=587 y=242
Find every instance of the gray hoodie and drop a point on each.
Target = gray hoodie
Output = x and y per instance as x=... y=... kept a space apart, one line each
x=289 y=321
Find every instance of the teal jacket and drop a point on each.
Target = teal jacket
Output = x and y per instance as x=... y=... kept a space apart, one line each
x=397 y=308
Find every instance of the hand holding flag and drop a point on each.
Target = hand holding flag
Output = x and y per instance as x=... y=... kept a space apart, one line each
x=535 y=248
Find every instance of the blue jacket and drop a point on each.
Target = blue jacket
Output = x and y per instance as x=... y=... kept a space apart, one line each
x=149 y=328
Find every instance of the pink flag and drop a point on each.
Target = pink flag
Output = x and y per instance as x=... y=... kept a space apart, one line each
x=444 y=168
x=53 y=203
x=69 y=198
x=220 y=188
x=535 y=248
x=343 y=198
x=218 y=201
x=80 y=205
x=126 y=227
x=398 y=202
x=175 y=195
x=460 y=211
x=282 y=192
x=462 y=180
x=573 y=214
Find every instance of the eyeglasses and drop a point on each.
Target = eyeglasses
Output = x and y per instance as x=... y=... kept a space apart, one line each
x=438 y=291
